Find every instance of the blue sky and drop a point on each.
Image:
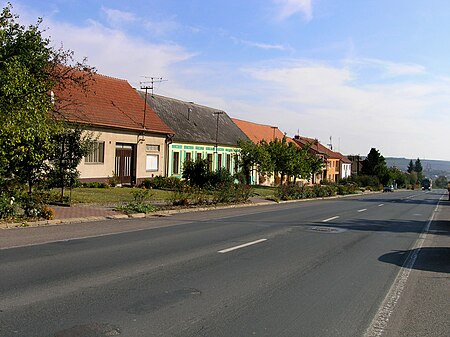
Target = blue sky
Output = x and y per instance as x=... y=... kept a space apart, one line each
x=368 y=73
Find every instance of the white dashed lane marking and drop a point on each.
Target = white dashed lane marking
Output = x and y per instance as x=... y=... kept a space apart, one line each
x=241 y=246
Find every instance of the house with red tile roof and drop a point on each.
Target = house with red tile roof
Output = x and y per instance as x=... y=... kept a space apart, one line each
x=336 y=167
x=257 y=133
x=130 y=138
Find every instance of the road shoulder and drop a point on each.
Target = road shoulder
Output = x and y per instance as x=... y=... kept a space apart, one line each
x=424 y=307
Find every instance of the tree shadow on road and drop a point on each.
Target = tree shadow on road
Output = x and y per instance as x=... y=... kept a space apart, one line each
x=391 y=226
x=434 y=259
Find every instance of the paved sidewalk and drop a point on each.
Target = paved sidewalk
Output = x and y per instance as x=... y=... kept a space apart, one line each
x=424 y=307
x=62 y=212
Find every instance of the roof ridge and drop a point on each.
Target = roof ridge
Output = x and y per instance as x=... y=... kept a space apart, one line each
x=188 y=102
x=242 y=120
x=112 y=77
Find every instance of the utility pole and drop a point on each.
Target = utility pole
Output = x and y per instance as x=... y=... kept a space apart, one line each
x=146 y=85
x=217 y=113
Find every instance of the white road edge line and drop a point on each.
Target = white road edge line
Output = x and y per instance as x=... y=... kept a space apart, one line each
x=332 y=218
x=241 y=246
x=362 y=210
x=381 y=319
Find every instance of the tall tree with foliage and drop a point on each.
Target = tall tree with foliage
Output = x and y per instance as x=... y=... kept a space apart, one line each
x=410 y=166
x=254 y=157
x=29 y=70
x=418 y=169
x=282 y=156
x=71 y=145
x=375 y=165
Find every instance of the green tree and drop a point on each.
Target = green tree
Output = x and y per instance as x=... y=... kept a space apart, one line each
x=375 y=165
x=254 y=157
x=397 y=176
x=29 y=70
x=282 y=157
x=72 y=144
x=410 y=166
x=441 y=182
x=419 y=169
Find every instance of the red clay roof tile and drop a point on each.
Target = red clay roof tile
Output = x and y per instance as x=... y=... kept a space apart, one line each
x=258 y=132
x=108 y=102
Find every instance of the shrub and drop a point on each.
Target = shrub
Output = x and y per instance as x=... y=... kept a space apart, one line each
x=95 y=184
x=47 y=213
x=141 y=195
x=171 y=183
x=294 y=191
x=196 y=172
x=35 y=205
x=140 y=203
x=114 y=180
x=8 y=206
x=242 y=192
x=181 y=197
x=220 y=179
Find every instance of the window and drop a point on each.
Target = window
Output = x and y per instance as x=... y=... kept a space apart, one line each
x=176 y=163
x=152 y=148
x=229 y=162
x=97 y=156
x=152 y=163
x=236 y=163
x=219 y=161
x=188 y=156
x=199 y=156
x=210 y=162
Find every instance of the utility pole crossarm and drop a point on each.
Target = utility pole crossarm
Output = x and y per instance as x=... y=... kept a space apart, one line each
x=146 y=85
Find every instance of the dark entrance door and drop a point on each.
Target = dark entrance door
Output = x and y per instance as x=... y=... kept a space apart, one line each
x=124 y=163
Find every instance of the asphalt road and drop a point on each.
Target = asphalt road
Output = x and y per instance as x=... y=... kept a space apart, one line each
x=319 y=268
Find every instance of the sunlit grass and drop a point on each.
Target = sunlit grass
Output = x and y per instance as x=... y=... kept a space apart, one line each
x=112 y=195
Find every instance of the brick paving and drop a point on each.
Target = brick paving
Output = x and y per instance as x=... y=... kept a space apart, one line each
x=81 y=212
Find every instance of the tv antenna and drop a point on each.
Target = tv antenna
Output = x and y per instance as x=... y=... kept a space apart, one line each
x=330 y=145
x=146 y=85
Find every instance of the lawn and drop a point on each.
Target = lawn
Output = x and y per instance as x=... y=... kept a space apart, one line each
x=264 y=191
x=121 y=195
x=113 y=195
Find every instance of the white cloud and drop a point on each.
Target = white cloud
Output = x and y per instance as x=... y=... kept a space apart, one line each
x=116 y=16
x=322 y=100
x=115 y=53
x=391 y=69
x=287 y=8
x=260 y=45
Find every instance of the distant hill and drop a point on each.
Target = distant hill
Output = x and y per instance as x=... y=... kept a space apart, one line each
x=432 y=168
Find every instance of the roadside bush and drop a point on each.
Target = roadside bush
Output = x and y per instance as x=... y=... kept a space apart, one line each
x=114 y=180
x=8 y=206
x=47 y=213
x=220 y=179
x=140 y=204
x=95 y=184
x=294 y=191
x=365 y=181
x=346 y=189
x=242 y=192
x=35 y=205
x=188 y=195
x=196 y=172
x=160 y=183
